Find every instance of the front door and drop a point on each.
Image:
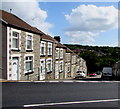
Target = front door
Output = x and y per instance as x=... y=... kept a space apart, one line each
x=42 y=70
x=56 y=71
x=15 y=75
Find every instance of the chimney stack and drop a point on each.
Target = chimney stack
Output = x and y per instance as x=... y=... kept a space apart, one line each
x=57 y=38
x=10 y=10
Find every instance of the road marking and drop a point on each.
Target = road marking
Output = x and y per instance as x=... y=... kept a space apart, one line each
x=53 y=81
x=81 y=81
x=39 y=81
x=74 y=102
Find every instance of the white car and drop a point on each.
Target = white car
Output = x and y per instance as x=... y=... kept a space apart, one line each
x=80 y=74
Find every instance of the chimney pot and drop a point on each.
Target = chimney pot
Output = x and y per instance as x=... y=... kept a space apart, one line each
x=57 y=38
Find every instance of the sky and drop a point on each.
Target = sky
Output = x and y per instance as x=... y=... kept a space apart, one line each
x=84 y=23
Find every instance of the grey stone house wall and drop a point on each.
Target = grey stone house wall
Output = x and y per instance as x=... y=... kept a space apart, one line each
x=22 y=53
x=64 y=54
x=3 y=51
x=36 y=54
x=62 y=73
x=49 y=75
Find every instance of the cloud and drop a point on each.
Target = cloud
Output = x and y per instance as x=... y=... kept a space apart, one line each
x=79 y=37
x=86 y=21
x=30 y=12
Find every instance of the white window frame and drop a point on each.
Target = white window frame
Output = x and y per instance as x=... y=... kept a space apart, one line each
x=28 y=55
x=43 y=70
x=19 y=42
x=57 y=53
x=49 y=46
x=73 y=59
x=47 y=62
x=29 y=60
x=68 y=66
x=61 y=63
x=61 y=53
x=29 y=34
x=43 y=44
x=68 y=56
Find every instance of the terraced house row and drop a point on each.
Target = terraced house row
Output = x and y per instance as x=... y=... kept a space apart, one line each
x=29 y=54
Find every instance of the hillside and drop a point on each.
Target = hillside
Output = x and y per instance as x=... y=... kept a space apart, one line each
x=97 y=57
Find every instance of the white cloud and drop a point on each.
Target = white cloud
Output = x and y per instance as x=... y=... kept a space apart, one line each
x=30 y=12
x=79 y=37
x=90 y=19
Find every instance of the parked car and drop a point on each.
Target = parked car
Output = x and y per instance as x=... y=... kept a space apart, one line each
x=80 y=74
x=107 y=72
x=92 y=74
x=98 y=73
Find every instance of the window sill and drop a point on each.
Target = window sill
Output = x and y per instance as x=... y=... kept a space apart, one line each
x=61 y=58
x=60 y=71
x=50 y=55
x=15 y=49
x=57 y=59
x=42 y=55
x=29 y=50
x=49 y=72
x=29 y=72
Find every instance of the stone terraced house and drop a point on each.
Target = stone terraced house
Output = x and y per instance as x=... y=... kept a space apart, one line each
x=68 y=60
x=73 y=64
x=27 y=53
x=59 y=59
x=47 y=49
x=82 y=65
x=20 y=50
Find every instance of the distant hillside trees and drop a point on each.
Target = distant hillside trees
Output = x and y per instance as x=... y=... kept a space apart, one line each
x=97 y=57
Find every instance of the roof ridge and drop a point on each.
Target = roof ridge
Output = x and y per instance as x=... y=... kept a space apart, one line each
x=14 y=20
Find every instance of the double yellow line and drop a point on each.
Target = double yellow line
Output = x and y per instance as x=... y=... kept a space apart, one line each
x=1 y=81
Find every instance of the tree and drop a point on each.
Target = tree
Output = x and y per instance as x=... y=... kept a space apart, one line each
x=97 y=57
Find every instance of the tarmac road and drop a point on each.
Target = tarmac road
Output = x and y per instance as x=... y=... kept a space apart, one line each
x=70 y=93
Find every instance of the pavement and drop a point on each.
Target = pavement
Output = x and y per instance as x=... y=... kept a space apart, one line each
x=90 y=79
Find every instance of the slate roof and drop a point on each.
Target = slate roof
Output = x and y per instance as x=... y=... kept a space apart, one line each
x=13 y=20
